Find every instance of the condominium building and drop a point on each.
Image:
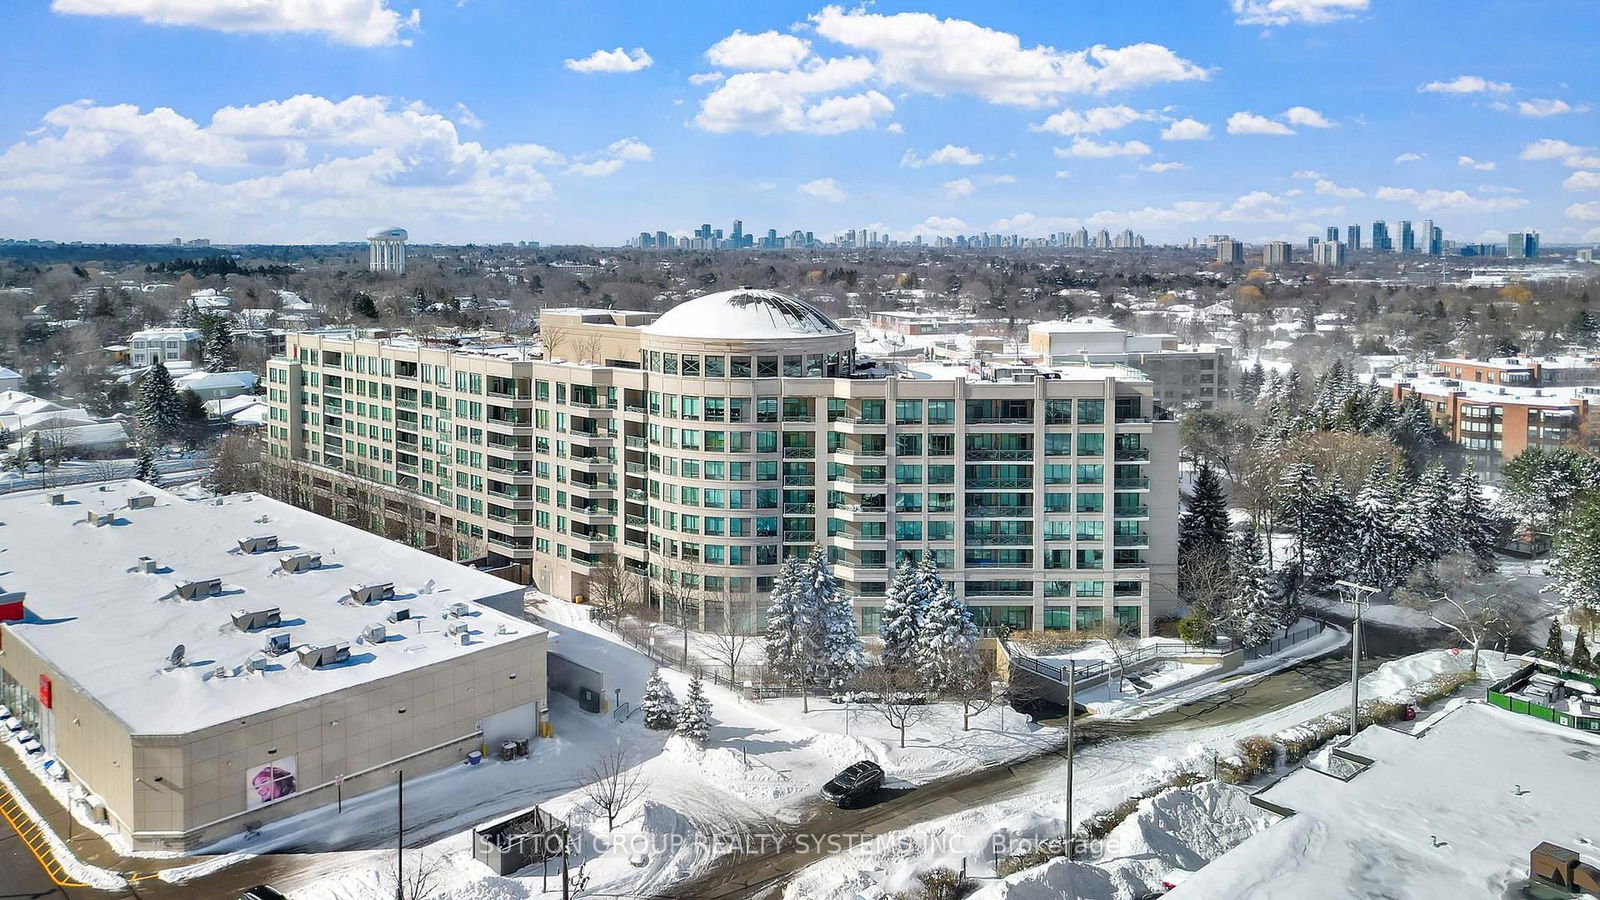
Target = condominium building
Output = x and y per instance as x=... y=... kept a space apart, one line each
x=1493 y=423
x=705 y=445
x=1183 y=376
x=1277 y=253
x=1230 y=252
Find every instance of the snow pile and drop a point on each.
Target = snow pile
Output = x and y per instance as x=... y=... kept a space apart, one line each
x=75 y=868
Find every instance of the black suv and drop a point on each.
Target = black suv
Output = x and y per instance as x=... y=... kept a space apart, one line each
x=262 y=892
x=858 y=782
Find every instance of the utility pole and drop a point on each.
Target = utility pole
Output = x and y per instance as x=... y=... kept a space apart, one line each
x=566 y=847
x=1360 y=596
x=400 y=839
x=1072 y=718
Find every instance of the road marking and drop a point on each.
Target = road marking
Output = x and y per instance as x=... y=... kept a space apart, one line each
x=32 y=835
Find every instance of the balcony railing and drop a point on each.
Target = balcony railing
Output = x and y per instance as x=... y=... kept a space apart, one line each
x=799 y=452
x=1000 y=454
x=1133 y=454
x=800 y=480
x=1132 y=540
x=1132 y=483
x=998 y=540
x=999 y=512
x=799 y=509
x=1130 y=512
x=982 y=483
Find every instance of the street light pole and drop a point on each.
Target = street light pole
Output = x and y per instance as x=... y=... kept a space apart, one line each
x=400 y=839
x=1072 y=718
x=1360 y=595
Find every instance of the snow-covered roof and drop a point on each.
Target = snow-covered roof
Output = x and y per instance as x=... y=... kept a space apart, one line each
x=743 y=314
x=109 y=629
x=9 y=373
x=200 y=381
x=1439 y=816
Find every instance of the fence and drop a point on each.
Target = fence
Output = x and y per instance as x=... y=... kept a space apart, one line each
x=642 y=636
x=1088 y=673
x=1286 y=641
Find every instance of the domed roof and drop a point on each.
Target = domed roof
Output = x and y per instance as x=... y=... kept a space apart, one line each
x=743 y=314
x=392 y=233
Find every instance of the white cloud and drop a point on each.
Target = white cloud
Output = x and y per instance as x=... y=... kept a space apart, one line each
x=1295 y=12
x=1467 y=162
x=960 y=187
x=597 y=169
x=1434 y=200
x=1466 y=84
x=942 y=226
x=611 y=61
x=894 y=128
x=1250 y=123
x=1306 y=116
x=1409 y=157
x=1571 y=155
x=301 y=168
x=1163 y=167
x=924 y=53
x=1087 y=149
x=948 y=155
x=1063 y=173
x=1328 y=189
x=363 y=23
x=1582 y=181
x=1002 y=179
x=1308 y=174
x=828 y=189
x=1588 y=212
x=467 y=118
x=1186 y=130
x=1539 y=109
x=805 y=99
x=767 y=50
x=631 y=150
x=1090 y=121
x=1029 y=223
x=706 y=78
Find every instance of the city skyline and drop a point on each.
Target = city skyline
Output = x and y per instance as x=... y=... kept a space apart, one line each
x=1238 y=117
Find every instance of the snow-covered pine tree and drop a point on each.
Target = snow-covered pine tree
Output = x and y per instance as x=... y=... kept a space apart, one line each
x=660 y=708
x=1379 y=556
x=694 y=716
x=1477 y=531
x=949 y=641
x=1424 y=522
x=1554 y=648
x=1575 y=569
x=219 y=352
x=1298 y=492
x=144 y=467
x=838 y=641
x=1204 y=522
x=791 y=626
x=1581 y=660
x=158 y=411
x=902 y=617
x=1256 y=613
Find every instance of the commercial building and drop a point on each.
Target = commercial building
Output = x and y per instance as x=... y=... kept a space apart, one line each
x=1522 y=245
x=164 y=344
x=738 y=428
x=1185 y=376
x=197 y=667
x=386 y=250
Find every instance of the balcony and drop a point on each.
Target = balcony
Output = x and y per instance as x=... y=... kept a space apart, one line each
x=518 y=520
x=1132 y=484
x=1130 y=512
x=988 y=483
x=633 y=521
x=799 y=537
x=999 y=540
x=634 y=442
x=1132 y=540
x=1000 y=420
x=1133 y=454
x=799 y=452
x=799 y=509
x=513 y=496
x=999 y=512
x=405 y=404
x=1001 y=455
x=799 y=480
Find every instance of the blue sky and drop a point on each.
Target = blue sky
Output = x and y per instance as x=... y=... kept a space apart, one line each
x=492 y=120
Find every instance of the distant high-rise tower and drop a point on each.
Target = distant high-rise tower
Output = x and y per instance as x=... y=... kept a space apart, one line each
x=1352 y=237
x=1230 y=252
x=386 y=250
x=1333 y=234
x=1277 y=253
x=1330 y=253
x=738 y=232
x=1408 y=238
x=1380 y=237
x=1522 y=244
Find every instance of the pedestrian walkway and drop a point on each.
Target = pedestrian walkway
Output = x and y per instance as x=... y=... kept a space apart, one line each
x=32 y=836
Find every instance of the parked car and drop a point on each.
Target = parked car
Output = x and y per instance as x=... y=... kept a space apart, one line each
x=263 y=892
x=856 y=783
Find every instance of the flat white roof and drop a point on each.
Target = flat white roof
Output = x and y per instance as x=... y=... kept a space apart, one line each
x=1483 y=392
x=110 y=629
x=1453 y=813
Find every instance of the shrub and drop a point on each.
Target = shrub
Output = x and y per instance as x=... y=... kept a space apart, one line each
x=945 y=884
x=1048 y=643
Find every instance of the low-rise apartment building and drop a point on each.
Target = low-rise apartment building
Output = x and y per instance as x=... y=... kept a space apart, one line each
x=705 y=445
x=1493 y=423
x=1514 y=371
x=1186 y=376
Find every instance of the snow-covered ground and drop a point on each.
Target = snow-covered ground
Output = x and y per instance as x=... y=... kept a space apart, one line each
x=1451 y=814
x=1107 y=773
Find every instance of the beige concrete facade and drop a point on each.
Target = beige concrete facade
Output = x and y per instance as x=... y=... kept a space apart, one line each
x=1050 y=501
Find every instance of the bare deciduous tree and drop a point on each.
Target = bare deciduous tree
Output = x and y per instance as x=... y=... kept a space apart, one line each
x=615 y=783
x=423 y=877
x=893 y=693
x=1479 y=608
x=729 y=635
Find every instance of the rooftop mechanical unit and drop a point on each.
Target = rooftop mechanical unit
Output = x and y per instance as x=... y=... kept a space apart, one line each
x=372 y=593
x=278 y=644
x=459 y=610
x=300 y=562
x=374 y=634
x=261 y=543
x=141 y=501
x=146 y=565
x=200 y=587
x=248 y=620
x=98 y=519
x=456 y=628
x=399 y=615
x=58 y=499
x=330 y=655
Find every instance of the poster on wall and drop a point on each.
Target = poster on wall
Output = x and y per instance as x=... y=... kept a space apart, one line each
x=273 y=781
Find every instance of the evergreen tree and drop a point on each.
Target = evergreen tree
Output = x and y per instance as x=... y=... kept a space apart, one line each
x=1476 y=530
x=902 y=617
x=1581 y=660
x=949 y=642
x=1425 y=523
x=219 y=352
x=1379 y=554
x=838 y=640
x=1204 y=522
x=158 y=411
x=144 y=467
x=791 y=645
x=694 y=716
x=1297 y=497
x=1554 y=648
x=1575 y=568
x=658 y=704
x=1256 y=612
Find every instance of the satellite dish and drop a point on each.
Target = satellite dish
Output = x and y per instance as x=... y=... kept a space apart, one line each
x=176 y=659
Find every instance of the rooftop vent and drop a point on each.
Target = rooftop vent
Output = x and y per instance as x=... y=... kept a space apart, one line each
x=146 y=565
x=300 y=562
x=371 y=593
x=259 y=543
x=248 y=620
x=458 y=609
x=374 y=634
x=318 y=657
x=399 y=615
x=257 y=663
x=98 y=519
x=278 y=644
x=456 y=628
x=58 y=499
x=141 y=501
x=202 y=587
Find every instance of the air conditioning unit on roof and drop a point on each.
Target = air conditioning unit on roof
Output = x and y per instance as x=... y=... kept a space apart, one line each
x=259 y=543
x=201 y=587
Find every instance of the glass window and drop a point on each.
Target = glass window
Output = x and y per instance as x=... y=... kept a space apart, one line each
x=1091 y=412
x=715 y=366
x=767 y=367
x=908 y=412
x=941 y=412
x=691 y=364
x=741 y=367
